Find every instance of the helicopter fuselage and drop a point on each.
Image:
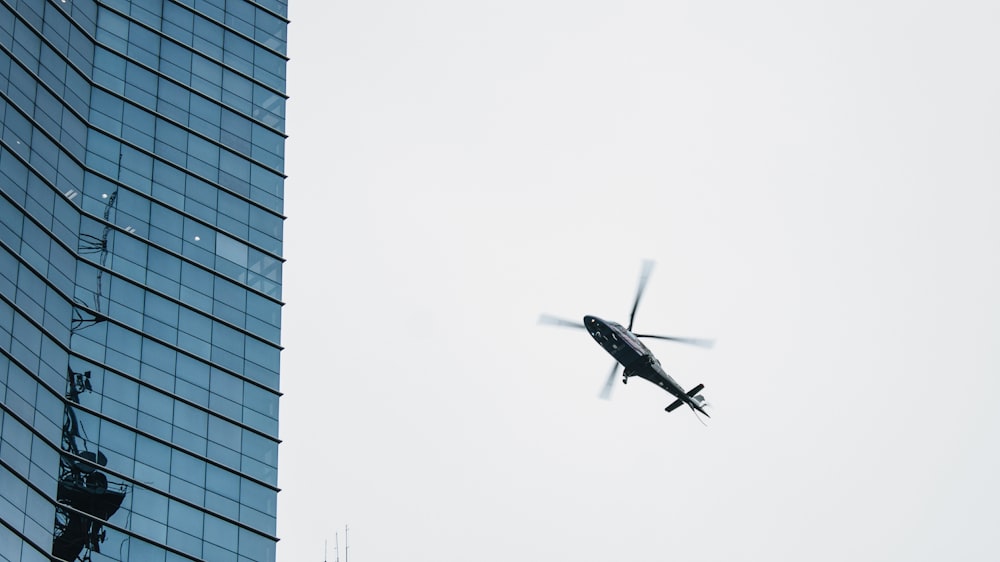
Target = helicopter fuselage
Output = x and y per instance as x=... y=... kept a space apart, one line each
x=637 y=359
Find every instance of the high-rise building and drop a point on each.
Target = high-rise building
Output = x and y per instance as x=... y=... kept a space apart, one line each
x=141 y=176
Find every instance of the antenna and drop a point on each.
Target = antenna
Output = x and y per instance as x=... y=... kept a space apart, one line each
x=336 y=537
x=324 y=550
x=347 y=545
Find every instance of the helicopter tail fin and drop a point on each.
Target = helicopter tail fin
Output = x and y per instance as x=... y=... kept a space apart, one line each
x=693 y=393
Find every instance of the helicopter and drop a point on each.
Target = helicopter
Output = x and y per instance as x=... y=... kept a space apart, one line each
x=631 y=354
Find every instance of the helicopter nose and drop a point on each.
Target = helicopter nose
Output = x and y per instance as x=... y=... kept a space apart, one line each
x=595 y=326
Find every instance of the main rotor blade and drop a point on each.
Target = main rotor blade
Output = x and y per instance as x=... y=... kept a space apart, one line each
x=546 y=319
x=608 y=384
x=700 y=342
x=647 y=268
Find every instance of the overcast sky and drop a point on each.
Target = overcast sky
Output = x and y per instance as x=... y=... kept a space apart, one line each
x=819 y=185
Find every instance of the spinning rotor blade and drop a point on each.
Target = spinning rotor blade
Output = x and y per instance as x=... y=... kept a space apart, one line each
x=647 y=268
x=708 y=344
x=546 y=319
x=608 y=384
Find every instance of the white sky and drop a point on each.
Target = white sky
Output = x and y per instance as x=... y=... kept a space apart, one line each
x=819 y=184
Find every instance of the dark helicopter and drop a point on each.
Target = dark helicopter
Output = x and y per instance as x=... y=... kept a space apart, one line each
x=629 y=352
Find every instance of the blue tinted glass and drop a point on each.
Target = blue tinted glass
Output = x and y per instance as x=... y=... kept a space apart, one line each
x=142 y=140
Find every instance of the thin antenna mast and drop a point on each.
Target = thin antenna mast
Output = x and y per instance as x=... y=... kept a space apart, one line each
x=336 y=537
x=347 y=545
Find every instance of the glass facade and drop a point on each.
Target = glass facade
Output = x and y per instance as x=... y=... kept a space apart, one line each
x=141 y=177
